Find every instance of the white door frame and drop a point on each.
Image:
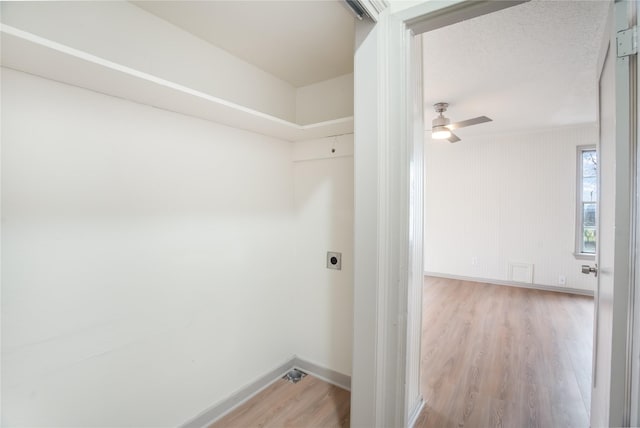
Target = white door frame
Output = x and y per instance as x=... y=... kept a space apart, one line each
x=388 y=272
x=632 y=387
x=635 y=298
x=626 y=239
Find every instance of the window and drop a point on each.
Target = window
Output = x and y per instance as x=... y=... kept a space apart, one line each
x=587 y=200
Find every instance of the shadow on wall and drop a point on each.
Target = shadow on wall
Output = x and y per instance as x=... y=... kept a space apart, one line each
x=324 y=222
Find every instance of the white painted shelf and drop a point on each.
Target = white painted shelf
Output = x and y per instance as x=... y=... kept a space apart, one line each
x=33 y=54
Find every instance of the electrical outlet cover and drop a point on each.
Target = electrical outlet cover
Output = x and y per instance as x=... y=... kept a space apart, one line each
x=334 y=260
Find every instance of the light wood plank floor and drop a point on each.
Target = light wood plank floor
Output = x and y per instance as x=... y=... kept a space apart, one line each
x=492 y=356
x=497 y=356
x=308 y=403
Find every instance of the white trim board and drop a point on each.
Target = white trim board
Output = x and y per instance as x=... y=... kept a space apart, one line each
x=413 y=416
x=248 y=391
x=330 y=376
x=512 y=284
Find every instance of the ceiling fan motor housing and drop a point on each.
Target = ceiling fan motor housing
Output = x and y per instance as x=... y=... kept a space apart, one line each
x=440 y=120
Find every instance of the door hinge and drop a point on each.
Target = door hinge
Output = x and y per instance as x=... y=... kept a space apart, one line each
x=627 y=41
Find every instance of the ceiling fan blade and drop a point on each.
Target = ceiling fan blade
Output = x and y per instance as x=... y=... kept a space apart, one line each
x=454 y=138
x=469 y=122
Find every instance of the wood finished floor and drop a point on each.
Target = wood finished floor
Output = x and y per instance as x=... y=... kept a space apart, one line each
x=496 y=356
x=308 y=403
x=492 y=356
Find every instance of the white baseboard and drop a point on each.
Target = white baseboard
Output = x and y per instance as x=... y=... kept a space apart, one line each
x=215 y=412
x=323 y=373
x=512 y=283
x=413 y=416
x=242 y=395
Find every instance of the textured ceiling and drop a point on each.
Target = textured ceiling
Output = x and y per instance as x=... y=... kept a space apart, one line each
x=301 y=42
x=529 y=66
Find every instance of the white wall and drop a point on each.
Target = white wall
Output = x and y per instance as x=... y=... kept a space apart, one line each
x=323 y=298
x=123 y=33
x=505 y=198
x=144 y=259
x=326 y=100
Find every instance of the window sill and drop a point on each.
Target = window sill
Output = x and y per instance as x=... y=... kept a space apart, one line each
x=584 y=256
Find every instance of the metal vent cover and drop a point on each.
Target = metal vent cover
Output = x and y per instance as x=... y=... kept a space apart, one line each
x=294 y=376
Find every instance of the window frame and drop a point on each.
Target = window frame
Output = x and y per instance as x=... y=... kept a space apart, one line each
x=578 y=253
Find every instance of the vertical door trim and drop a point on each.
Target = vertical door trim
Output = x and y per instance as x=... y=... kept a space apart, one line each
x=635 y=309
x=632 y=388
x=415 y=109
x=624 y=254
x=634 y=335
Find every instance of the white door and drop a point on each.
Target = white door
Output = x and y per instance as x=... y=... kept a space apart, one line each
x=603 y=294
x=610 y=399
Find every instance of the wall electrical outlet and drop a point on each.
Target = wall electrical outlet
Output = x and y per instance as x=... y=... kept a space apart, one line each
x=562 y=280
x=334 y=260
x=474 y=261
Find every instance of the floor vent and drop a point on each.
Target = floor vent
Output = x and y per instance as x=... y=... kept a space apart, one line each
x=294 y=376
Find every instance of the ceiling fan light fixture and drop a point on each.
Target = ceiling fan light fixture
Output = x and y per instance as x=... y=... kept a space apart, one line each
x=440 y=133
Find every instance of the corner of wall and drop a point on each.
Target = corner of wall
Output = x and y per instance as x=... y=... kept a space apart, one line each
x=326 y=100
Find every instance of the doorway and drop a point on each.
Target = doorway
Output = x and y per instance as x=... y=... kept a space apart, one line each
x=498 y=202
x=401 y=204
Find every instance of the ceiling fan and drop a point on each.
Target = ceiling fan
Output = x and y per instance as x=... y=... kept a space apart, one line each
x=441 y=126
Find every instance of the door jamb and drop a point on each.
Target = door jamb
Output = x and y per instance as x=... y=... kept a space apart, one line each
x=624 y=299
x=632 y=406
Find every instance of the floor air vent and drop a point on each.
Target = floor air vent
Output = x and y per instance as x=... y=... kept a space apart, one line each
x=294 y=376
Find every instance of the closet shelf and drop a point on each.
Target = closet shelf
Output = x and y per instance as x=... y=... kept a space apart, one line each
x=36 y=55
